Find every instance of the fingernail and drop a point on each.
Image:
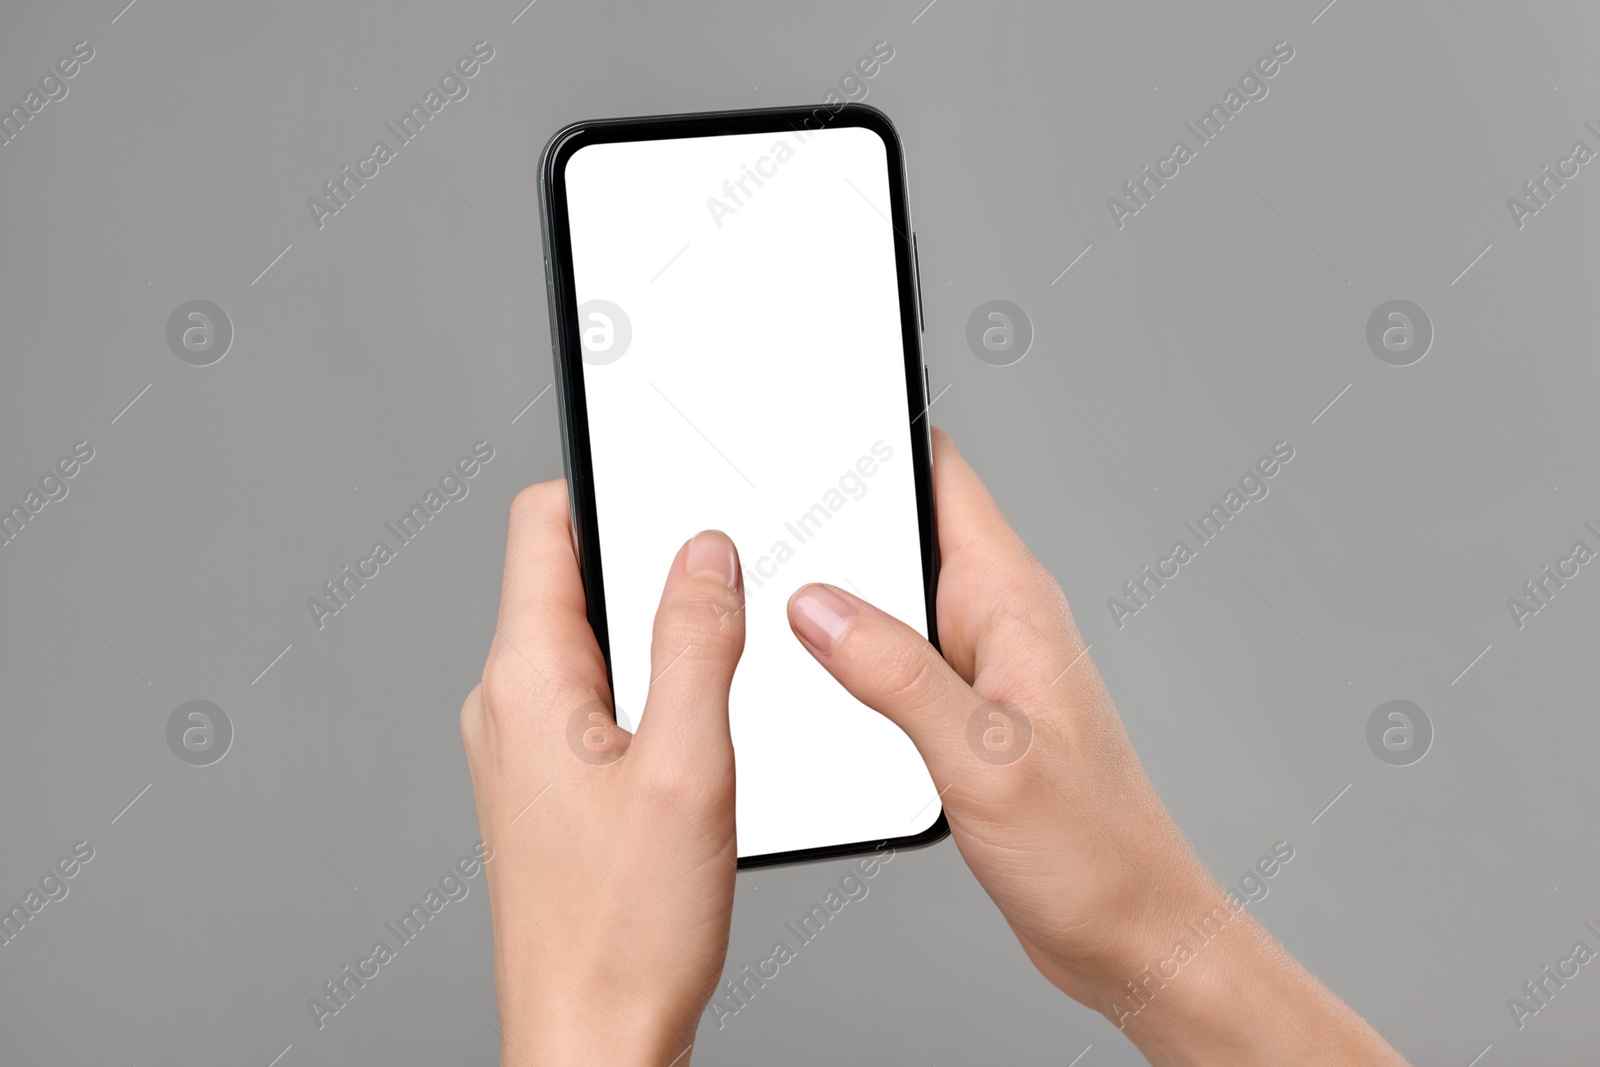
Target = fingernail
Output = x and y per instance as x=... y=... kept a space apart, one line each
x=822 y=616
x=711 y=556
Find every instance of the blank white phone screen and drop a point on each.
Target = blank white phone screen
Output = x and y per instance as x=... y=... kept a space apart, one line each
x=744 y=371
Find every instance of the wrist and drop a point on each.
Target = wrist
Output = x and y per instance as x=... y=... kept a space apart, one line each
x=1192 y=993
x=1225 y=994
x=583 y=1030
x=567 y=1042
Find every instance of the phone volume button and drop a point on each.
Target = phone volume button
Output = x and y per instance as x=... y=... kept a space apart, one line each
x=916 y=261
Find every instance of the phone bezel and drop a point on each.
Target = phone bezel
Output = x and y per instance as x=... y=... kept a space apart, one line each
x=568 y=360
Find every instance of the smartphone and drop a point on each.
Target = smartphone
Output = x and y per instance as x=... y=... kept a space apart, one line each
x=735 y=317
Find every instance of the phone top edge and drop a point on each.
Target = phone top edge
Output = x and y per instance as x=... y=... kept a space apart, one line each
x=853 y=107
x=874 y=118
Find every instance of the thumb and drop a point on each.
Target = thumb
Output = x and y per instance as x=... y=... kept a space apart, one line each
x=697 y=641
x=892 y=669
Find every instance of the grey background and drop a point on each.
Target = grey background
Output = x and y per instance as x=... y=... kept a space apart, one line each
x=1221 y=319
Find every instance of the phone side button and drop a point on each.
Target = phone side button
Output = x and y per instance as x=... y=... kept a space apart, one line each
x=916 y=260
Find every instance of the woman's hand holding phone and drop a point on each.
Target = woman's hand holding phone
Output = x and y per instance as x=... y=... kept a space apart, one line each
x=611 y=889
x=612 y=892
x=1065 y=832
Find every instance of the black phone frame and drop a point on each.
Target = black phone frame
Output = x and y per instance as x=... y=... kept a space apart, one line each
x=567 y=355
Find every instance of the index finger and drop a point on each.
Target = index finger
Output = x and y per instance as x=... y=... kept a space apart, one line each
x=543 y=641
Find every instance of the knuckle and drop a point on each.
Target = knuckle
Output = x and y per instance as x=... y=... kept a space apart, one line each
x=682 y=791
x=513 y=686
x=701 y=626
x=537 y=501
x=906 y=676
x=1014 y=786
x=670 y=780
x=508 y=681
x=472 y=720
